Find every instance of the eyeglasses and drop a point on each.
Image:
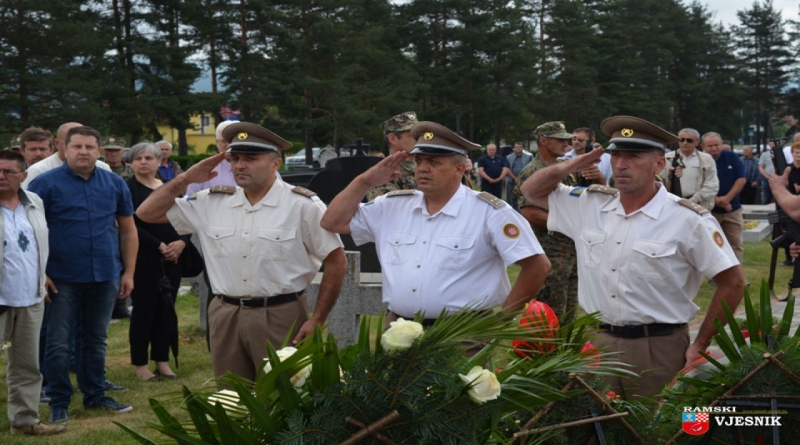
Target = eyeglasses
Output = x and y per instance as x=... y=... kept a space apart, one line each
x=7 y=172
x=689 y=140
x=579 y=140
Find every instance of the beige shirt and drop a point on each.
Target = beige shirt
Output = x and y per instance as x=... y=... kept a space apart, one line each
x=273 y=247
x=699 y=180
x=644 y=267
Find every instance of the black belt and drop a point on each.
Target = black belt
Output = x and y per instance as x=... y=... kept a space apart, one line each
x=261 y=301
x=642 y=330
x=428 y=322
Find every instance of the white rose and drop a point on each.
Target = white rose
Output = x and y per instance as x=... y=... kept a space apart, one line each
x=401 y=335
x=484 y=383
x=298 y=379
x=229 y=401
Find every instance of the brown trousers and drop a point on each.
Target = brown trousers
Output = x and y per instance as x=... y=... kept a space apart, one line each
x=656 y=359
x=239 y=335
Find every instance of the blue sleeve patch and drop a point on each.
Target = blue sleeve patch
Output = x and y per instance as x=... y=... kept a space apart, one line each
x=577 y=191
x=192 y=198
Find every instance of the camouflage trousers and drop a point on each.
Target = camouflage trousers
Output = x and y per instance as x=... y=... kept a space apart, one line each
x=560 y=288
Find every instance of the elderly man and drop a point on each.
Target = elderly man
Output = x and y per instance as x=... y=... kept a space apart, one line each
x=492 y=168
x=698 y=173
x=727 y=208
x=560 y=289
x=263 y=247
x=223 y=176
x=397 y=133
x=23 y=253
x=91 y=264
x=750 y=163
x=167 y=169
x=642 y=253
x=35 y=144
x=442 y=247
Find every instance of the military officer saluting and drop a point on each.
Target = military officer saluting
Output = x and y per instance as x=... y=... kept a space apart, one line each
x=642 y=254
x=397 y=132
x=442 y=246
x=263 y=245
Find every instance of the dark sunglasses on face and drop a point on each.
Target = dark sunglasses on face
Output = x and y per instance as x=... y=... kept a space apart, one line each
x=689 y=140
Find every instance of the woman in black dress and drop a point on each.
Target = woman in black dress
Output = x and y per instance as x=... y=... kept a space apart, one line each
x=153 y=324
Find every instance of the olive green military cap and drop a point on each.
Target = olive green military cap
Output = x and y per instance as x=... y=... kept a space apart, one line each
x=113 y=144
x=555 y=130
x=401 y=122
x=438 y=140
x=635 y=134
x=247 y=137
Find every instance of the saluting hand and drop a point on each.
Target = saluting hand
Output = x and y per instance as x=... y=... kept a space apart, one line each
x=584 y=161
x=204 y=170
x=386 y=170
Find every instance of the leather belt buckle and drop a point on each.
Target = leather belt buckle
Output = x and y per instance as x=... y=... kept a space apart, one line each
x=243 y=300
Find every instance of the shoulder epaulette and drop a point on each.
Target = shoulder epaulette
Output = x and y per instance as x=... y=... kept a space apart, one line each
x=493 y=201
x=408 y=192
x=303 y=191
x=227 y=189
x=697 y=208
x=602 y=189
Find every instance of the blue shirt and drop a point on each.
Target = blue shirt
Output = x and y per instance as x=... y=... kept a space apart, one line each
x=729 y=169
x=492 y=166
x=80 y=213
x=168 y=172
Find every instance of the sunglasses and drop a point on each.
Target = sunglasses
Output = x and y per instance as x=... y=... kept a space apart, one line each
x=689 y=140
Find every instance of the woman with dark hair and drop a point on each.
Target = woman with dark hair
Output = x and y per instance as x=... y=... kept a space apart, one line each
x=153 y=321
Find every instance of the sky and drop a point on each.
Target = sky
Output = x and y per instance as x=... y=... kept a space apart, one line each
x=725 y=10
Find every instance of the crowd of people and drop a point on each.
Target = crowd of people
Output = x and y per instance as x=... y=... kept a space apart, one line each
x=81 y=235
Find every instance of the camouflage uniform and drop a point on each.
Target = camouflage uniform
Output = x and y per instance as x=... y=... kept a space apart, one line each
x=560 y=289
x=401 y=122
x=125 y=171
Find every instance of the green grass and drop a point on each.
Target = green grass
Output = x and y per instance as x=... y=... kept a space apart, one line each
x=92 y=427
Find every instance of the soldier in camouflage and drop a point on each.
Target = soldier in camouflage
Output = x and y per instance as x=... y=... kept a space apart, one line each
x=112 y=150
x=560 y=289
x=397 y=131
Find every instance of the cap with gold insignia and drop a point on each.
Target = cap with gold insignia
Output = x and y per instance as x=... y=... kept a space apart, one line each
x=438 y=140
x=555 y=130
x=113 y=144
x=401 y=122
x=635 y=134
x=247 y=137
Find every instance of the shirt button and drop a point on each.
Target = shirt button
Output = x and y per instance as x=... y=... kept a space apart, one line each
x=619 y=242
x=413 y=290
x=455 y=247
x=613 y=270
x=277 y=238
x=245 y=233
x=424 y=242
x=417 y=266
x=245 y=280
x=244 y=256
x=613 y=296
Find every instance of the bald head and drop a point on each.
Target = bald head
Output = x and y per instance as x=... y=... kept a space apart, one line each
x=61 y=137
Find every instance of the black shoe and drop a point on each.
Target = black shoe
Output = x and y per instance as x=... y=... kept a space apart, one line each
x=787 y=263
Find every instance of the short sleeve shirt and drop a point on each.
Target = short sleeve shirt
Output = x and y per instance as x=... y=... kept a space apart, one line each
x=273 y=247
x=81 y=215
x=453 y=259
x=729 y=170
x=641 y=268
x=766 y=160
x=492 y=166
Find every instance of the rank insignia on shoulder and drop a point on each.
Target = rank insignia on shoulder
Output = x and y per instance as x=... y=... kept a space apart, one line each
x=697 y=208
x=192 y=198
x=577 y=191
x=408 y=192
x=227 y=189
x=603 y=189
x=303 y=191
x=493 y=201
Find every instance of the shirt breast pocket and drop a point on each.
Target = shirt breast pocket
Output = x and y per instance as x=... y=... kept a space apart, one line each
x=400 y=246
x=453 y=252
x=652 y=259
x=591 y=247
x=221 y=240
x=276 y=243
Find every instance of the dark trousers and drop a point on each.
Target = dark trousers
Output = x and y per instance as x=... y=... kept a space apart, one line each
x=495 y=189
x=748 y=195
x=149 y=322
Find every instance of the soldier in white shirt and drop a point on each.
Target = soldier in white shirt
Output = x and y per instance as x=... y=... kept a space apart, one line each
x=263 y=246
x=642 y=253
x=442 y=247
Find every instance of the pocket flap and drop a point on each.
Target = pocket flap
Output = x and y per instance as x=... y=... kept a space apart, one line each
x=398 y=238
x=455 y=242
x=277 y=234
x=218 y=232
x=592 y=237
x=653 y=249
